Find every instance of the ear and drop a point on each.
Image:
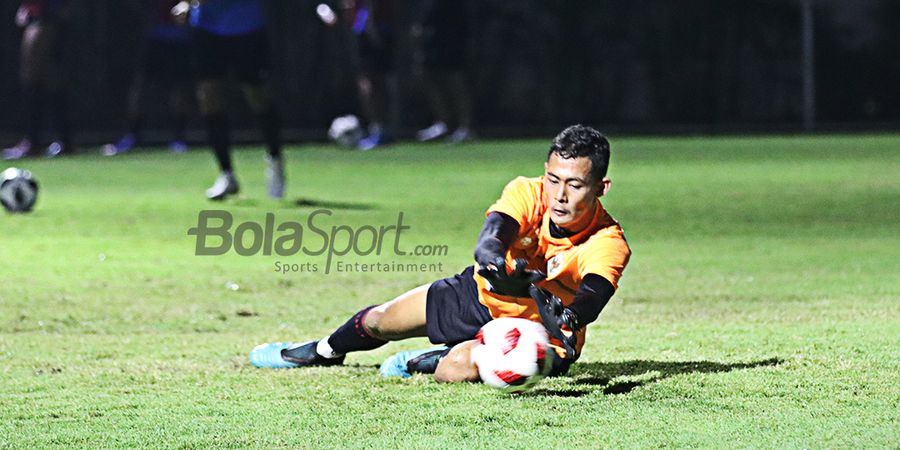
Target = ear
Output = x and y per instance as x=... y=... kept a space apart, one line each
x=605 y=186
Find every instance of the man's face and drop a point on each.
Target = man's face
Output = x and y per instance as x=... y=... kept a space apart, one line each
x=570 y=192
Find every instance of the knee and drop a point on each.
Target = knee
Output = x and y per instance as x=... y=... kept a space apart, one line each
x=210 y=97
x=257 y=96
x=457 y=366
x=373 y=323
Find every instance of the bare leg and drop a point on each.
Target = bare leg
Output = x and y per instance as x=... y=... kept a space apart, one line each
x=400 y=318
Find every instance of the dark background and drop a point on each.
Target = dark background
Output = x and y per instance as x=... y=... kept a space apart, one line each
x=535 y=65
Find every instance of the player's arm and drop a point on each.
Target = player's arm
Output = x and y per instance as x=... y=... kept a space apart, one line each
x=591 y=297
x=496 y=235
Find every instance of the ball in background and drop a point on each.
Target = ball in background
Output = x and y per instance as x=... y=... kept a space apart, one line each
x=346 y=131
x=18 y=190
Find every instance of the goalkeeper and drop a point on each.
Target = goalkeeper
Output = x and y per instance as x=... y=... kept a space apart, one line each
x=547 y=241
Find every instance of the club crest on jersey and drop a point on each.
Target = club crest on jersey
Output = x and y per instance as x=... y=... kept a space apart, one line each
x=554 y=265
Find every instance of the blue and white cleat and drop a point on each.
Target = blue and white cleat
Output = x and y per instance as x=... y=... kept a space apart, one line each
x=268 y=356
x=289 y=355
x=403 y=364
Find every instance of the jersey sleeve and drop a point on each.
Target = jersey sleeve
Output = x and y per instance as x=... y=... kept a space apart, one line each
x=605 y=254
x=519 y=200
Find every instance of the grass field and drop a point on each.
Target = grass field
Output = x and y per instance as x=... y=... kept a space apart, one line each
x=761 y=307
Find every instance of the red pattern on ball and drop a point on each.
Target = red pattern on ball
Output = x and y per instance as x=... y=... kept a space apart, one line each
x=511 y=340
x=509 y=377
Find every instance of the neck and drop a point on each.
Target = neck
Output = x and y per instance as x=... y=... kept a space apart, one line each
x=580 y=224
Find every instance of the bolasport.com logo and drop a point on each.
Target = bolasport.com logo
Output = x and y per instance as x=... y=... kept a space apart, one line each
x=217 y=234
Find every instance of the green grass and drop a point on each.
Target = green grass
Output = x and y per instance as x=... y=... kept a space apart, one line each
x=761 y=307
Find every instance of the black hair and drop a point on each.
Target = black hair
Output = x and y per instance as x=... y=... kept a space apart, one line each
x=582 y=141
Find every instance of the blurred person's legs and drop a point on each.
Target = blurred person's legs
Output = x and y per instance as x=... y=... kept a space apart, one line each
x=213 y=62
x=377 y=62
x=247 y=56
x=166 y=66
x=441 y=62
x=459 y=91
x=41 y=57
x=252 y=70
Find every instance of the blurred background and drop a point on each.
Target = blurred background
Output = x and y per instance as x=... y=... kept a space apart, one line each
x=642 y=66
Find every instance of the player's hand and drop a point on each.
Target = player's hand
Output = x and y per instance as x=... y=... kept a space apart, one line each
x=561 y=322
x=513 y=284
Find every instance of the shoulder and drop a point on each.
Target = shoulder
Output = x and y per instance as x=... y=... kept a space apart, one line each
x=606 y=242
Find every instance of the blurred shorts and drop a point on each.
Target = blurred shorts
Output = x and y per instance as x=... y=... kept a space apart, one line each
x=247 y=55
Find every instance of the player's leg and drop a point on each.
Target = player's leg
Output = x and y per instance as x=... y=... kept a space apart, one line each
x=252 y=70
x=30 y=74
x=212 y=58
x=454 y=315
x=377 y=63
x=179 y=79
x=179 y=105
x=368 y=329
x=457 y=365
x=434 y=93
x=54 y=80
x=462 y=97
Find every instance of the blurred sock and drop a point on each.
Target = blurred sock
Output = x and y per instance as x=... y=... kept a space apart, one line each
x=179 y=125
x=34 y=102
x=217 y=131
x=270 y=126
x=135 y=127
x=61 y=119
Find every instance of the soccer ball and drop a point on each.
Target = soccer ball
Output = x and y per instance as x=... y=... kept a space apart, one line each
x=512 y=354
x=346 y=130
x=18 y=190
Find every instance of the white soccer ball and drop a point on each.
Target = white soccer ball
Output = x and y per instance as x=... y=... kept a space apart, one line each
x=512 y=354
x=346 y=130
x=18 y=190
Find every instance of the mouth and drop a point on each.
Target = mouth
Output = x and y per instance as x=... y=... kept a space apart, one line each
x=559 y=212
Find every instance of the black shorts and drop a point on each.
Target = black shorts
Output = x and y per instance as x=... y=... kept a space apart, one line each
x=245 y=54
x=167 y=63
x=453 y=314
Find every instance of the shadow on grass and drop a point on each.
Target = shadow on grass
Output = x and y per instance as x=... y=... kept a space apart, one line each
x=311 y=203
x=605 y=374
x=247 y=202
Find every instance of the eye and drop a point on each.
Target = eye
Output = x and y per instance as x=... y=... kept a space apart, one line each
x=576 y=186
x=553 y=181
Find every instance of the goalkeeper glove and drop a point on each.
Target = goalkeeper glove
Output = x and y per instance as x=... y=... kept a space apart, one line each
x=557 y=319
x=513 y=284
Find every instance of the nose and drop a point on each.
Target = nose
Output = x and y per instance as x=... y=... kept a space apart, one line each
x=560 y=194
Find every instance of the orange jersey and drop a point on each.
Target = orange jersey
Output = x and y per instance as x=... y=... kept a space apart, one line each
x=599 y=249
